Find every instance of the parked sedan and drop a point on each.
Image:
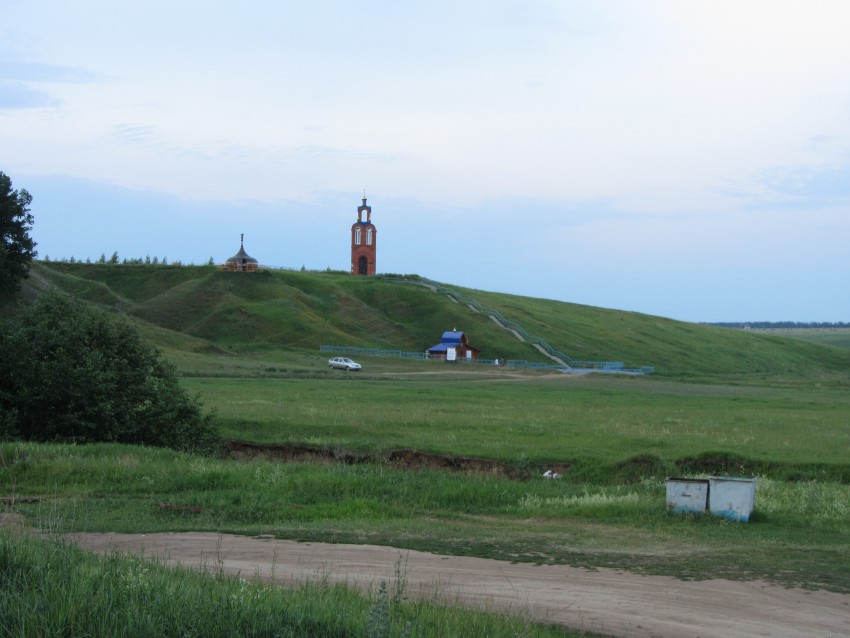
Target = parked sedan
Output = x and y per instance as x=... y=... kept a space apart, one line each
x=343 y=363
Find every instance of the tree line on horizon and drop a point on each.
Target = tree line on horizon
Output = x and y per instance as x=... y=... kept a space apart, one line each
x=767 y=325
x=114 y=260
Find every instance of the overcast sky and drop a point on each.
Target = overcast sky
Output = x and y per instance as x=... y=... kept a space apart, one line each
x=682 y=158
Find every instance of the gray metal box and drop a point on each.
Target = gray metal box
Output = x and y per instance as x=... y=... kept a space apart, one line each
x=686 y=495
x=732 y=497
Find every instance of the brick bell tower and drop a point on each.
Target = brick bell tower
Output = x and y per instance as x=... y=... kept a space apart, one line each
x=363 y=239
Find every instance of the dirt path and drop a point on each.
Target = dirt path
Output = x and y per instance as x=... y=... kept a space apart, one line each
x=605 y=601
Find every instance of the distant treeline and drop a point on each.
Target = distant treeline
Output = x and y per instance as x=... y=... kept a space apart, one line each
x=115 y=260
x=147 y=260
x=761 y=325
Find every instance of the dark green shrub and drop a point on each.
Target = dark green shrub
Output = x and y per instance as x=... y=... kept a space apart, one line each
x=17 y=248
x=68 y=372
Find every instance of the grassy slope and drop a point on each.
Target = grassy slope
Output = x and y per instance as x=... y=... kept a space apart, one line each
x=307 y=309
x=585 y=332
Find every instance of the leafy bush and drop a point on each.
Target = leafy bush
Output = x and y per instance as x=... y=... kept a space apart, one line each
x=69 y=372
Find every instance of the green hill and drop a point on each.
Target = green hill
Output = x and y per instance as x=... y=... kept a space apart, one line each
x=200 y=308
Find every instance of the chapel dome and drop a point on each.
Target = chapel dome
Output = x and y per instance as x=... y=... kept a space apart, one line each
x=241 y=260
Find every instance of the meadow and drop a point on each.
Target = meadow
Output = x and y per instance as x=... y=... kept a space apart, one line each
x=779 y=410
x=593 y=423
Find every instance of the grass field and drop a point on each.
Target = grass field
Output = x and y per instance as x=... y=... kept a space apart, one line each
x=724 y=402
x=590 y=422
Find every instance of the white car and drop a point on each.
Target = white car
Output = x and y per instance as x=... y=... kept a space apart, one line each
x=343 y=363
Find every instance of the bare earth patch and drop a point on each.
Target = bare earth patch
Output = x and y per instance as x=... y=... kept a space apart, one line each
x=404 y=458
x=13 y=521
x=604 y=600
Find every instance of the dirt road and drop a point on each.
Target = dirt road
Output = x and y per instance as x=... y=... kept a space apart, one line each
x=605 y=601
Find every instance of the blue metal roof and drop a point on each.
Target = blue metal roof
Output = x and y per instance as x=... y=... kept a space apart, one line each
x=452 y=337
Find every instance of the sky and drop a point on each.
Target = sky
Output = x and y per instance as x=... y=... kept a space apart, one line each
x=680 y=158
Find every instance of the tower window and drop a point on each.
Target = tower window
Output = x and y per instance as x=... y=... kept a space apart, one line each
x=357 y=239
x=368 y=236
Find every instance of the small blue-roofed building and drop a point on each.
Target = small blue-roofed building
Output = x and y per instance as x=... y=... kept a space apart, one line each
x=454 y=346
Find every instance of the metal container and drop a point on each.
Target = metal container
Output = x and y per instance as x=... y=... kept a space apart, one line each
x=732 y=497
x=687 y=496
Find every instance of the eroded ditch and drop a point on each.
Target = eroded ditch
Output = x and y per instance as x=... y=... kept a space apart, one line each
x=405 y=458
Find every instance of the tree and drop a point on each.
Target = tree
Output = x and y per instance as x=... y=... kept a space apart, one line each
x=75 y=374
x=17 y=249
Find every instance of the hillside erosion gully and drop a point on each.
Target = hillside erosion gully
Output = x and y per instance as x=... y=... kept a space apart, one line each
x=411 y=459
x=404 y=458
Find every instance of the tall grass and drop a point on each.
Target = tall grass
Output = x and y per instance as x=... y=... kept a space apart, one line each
x=49 y=588
x=821 y=504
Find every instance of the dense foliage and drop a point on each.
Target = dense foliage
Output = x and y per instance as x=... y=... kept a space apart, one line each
x=69 y=372
x=17 y=248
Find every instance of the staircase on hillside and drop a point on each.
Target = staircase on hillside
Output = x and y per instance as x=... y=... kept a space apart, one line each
x=567 y=363
x=517 y=330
